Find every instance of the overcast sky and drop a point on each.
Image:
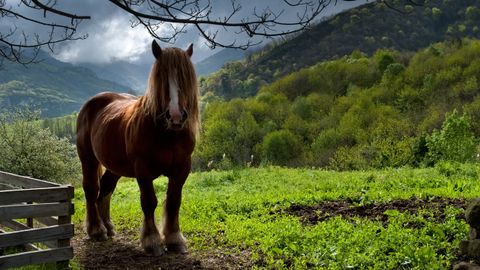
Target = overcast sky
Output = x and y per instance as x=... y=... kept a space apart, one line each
x=111 y=38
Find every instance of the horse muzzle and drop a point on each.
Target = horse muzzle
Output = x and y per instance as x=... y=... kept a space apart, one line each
x=176 y=119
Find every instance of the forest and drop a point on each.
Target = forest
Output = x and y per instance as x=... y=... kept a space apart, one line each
x=392 y=109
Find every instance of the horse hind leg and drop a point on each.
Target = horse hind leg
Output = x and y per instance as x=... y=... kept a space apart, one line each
x=94 y=225
x=173 y=238
x=108 y=182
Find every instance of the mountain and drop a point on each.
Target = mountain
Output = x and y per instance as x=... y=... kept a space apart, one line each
x=135 y=75
x=54 y=87
x=132 y=75
x=366 y=28
x=216 y=61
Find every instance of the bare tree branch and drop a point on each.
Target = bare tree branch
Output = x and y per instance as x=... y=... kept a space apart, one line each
x=15 y=42
x=39 y=5
x=164 y=20
x=266 y=23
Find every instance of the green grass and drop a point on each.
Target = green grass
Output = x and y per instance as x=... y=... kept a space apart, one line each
x=242 y=210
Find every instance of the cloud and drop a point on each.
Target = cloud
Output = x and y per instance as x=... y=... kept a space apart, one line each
x=110 y=40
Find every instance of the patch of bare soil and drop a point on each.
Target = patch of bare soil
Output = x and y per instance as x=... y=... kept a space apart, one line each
x=325 y=210
x=124 y=252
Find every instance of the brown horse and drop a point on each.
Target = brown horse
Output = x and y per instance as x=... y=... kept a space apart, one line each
x=143 y=138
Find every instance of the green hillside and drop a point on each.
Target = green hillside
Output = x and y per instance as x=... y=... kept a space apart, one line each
x=356 y=112
x=367 y=28
x=54 y=87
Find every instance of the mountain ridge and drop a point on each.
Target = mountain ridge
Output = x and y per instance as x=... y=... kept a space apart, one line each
x=55 y=88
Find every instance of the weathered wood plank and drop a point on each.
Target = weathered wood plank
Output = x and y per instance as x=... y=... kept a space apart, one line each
x=27 y=246
x=24 y=181
x=14 y=225
x=5 y=186
x=35 y=257
x=63 y=242
x=47 y=221
x=34 y=235
x=15 y=211
x=46 y=194
x=17 y=226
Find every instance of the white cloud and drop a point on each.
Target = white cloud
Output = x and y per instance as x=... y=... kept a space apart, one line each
x=108 y=41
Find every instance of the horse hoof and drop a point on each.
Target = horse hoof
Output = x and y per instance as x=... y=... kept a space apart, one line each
x=97 y=234
x=111 y=233
x=176 y=248
x=100 y=237
x=156 y=251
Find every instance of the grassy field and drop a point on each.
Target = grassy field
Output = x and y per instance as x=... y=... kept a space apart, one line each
x=250 y=212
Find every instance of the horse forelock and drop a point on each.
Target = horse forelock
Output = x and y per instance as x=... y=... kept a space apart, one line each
x=175 y=64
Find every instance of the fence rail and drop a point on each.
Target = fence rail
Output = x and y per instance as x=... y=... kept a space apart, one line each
x=35 y=222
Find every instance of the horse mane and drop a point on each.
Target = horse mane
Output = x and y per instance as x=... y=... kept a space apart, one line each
x=173 y=63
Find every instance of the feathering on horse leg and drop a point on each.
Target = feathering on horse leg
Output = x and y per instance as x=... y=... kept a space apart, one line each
x=108 y=182
x=174 y=240
x=150 y=237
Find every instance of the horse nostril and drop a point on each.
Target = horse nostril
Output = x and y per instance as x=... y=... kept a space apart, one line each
x=167 y=115
x=184 y=114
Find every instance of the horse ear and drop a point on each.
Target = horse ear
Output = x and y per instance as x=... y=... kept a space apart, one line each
x=157 y=51
x=190 y=50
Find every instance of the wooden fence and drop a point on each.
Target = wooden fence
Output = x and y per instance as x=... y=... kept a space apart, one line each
x=35 y=222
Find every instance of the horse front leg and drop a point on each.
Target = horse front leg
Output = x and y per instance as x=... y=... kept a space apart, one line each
x=150 y=237
x=173 y=238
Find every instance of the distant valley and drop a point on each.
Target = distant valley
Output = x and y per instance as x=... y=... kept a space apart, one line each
x=57 y=88
x=54 y=87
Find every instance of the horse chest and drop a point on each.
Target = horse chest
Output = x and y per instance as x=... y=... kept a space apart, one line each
x=163 y=155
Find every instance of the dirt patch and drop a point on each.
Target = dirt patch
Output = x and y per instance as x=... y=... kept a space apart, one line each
x=124 y=252
x=325 y=210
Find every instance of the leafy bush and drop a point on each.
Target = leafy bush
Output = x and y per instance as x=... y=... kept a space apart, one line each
x=454 y=142
x=28 y=149
x=281 y=147
x=347 y=159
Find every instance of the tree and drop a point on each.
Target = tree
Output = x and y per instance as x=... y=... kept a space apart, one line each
x=178 y=15
x=28 y=149
x=454 y=142
x=281 y=147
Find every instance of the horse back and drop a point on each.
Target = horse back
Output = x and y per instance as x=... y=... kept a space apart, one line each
x=100 y=129
x=96 y=105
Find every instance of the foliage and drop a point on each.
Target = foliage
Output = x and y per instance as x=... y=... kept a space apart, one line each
x=370 y=27
x=281 y=147
x=28 y=149
x=62 y=127
x=454 y=142
x=356 y=112
x=246 y=212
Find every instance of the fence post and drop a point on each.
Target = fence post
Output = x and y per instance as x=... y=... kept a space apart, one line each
x=64 y=265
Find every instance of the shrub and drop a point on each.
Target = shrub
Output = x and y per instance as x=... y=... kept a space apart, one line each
x=28 y=149
x=351 y=158
x=281 y=147
x=392 y=152
x=454 y=142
